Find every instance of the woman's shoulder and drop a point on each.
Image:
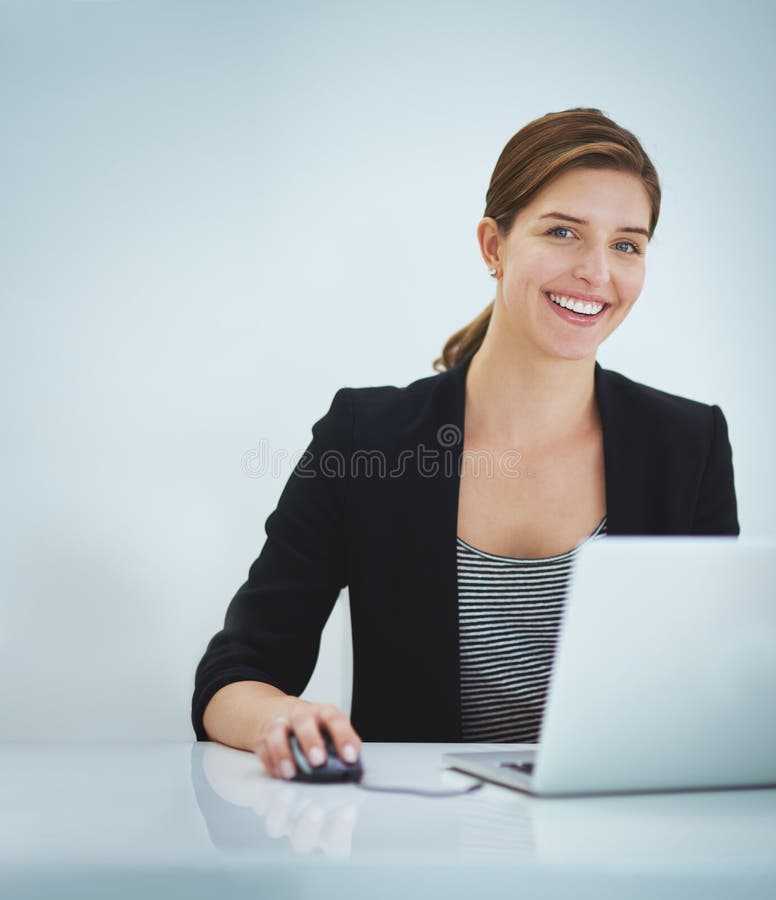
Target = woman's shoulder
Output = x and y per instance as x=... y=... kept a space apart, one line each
x=670 y=425
x=391 y=415
x=614 y=388
x=384 y=399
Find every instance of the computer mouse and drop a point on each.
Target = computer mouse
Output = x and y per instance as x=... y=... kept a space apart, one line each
x=333 y=769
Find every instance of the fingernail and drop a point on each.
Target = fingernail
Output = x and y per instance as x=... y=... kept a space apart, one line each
x=287 y=769
x=316 y=756
x=349 y=753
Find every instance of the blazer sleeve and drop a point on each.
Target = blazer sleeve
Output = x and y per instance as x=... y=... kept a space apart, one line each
x=274 y=622
x=716 y=511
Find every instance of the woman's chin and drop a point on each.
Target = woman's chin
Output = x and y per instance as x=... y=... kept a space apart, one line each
x=572 y=351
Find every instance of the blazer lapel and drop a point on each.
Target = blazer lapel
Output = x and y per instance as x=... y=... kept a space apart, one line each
x=403 y=569
x=434 y=566
x=626 y=495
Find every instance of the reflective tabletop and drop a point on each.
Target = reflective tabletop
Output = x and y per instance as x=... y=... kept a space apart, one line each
x=203 y=820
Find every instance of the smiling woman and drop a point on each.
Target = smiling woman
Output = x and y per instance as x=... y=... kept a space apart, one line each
x=543 y=158
x=587 y=264
x=457 y=549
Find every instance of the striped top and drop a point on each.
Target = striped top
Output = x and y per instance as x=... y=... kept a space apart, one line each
x=509 y=613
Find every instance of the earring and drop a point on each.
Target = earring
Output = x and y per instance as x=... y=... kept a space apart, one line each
x=492 y=273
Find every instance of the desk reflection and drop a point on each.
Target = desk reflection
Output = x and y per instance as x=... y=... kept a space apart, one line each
x=245 y=810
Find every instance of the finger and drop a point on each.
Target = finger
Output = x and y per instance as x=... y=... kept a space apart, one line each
x=345 y=738
x=305 y=726
x=278 y=749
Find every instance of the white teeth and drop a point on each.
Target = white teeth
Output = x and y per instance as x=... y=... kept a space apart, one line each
x=578 y=306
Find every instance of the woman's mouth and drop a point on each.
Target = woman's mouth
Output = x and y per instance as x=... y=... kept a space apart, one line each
x=576 y=311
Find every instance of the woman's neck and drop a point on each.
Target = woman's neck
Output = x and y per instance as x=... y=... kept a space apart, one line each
x=519 y=398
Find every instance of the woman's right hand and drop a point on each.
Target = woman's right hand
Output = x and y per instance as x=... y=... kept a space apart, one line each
x=305 y=720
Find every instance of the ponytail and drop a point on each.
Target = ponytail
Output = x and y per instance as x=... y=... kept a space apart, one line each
x=465 y=342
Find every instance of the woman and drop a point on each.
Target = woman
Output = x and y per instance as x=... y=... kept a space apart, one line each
x=453 y=508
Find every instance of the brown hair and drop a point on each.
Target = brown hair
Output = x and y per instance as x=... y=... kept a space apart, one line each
x=539 y=152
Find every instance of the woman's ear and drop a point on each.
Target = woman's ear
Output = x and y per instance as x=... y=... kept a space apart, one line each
x=490 y=244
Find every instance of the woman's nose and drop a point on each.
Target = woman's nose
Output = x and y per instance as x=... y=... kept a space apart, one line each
x=592 y=266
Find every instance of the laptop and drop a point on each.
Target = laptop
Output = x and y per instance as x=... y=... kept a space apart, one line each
x=664 y=676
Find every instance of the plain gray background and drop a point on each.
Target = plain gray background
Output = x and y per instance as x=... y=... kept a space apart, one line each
x=215 y=214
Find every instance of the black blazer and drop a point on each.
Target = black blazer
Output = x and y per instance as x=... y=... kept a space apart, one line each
x=373 y=504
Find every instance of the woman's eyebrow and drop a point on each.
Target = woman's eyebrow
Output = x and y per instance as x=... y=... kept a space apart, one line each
x=559 y=215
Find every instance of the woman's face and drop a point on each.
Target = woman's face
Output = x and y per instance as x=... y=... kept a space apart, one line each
x=582 y=240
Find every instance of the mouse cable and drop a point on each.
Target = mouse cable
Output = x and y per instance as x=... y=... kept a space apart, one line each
x=418 y=791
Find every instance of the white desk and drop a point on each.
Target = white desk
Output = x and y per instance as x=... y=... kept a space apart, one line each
x=202 y=821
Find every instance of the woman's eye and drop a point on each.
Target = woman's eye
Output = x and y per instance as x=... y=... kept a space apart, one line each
x=634 y=248
x=554 y=231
